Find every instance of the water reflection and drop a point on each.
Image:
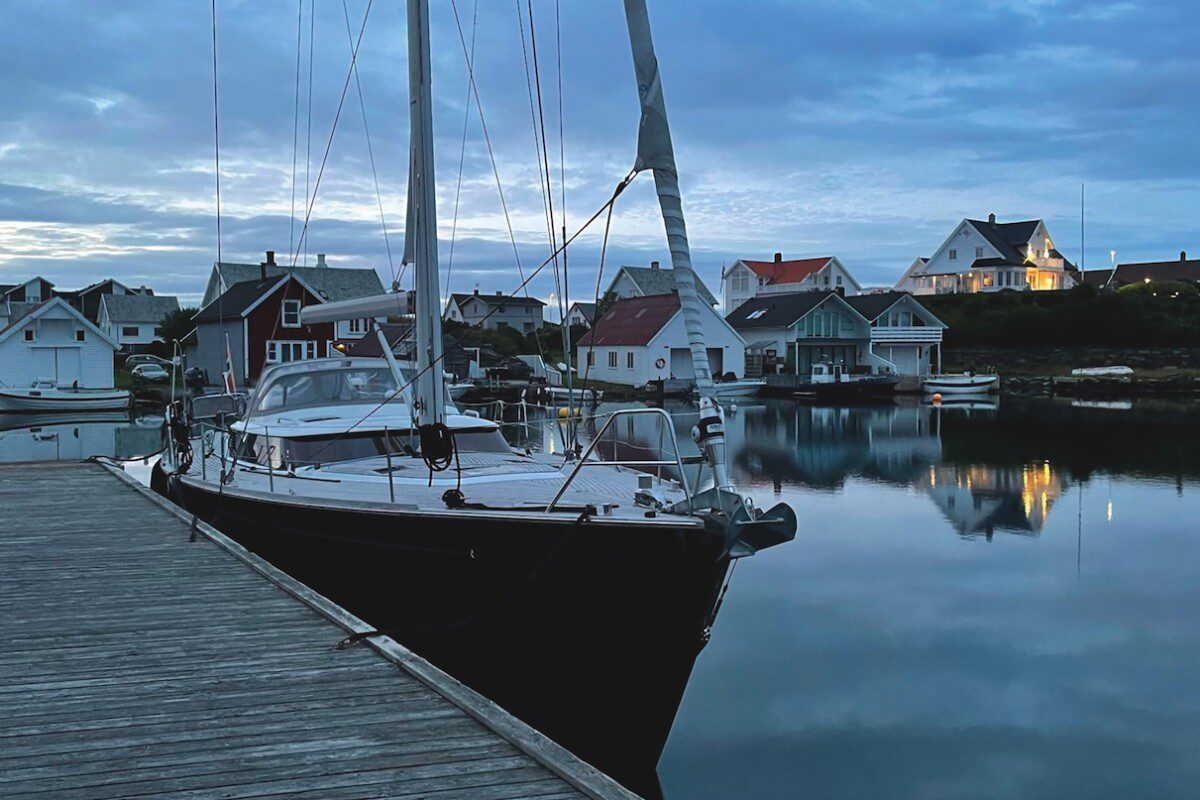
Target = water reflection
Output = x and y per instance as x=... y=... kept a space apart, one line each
x=891 y=652
x=73 y=437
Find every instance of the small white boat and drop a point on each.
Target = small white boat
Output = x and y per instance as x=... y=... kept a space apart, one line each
x=743 y=388
x=1103 y=372
x=45 y=396
x=964 y=383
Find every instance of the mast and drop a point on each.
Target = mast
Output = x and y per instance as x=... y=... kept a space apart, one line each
x=656 y=153
x=421 y=233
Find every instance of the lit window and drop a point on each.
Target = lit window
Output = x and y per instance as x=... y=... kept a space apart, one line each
x=954 y=255
x=290 y=314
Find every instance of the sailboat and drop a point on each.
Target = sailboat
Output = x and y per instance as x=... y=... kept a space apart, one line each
x=364 y=467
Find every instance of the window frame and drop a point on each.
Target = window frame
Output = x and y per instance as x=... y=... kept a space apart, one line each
x=953 y=254
x=629 y=359
x=285 y=310
x=125 y=330
x=612 y=359
x=30 y=335
x=80 y=335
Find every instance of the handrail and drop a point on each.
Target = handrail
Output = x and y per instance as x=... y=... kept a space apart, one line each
x=626 y=412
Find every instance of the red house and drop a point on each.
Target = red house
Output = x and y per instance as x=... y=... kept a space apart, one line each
x=261 y=321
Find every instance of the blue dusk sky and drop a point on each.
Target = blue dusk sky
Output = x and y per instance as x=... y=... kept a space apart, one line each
x=864 y=130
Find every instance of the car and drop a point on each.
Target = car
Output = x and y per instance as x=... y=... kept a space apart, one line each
x=150 y=372
x=146 y=358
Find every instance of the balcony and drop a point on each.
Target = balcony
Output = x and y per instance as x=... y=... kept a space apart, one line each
x=907 y=334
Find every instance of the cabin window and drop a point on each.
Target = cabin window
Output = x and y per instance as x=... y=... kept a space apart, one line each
x=979 y=252
x=290 y=314
x=129 y=330
x=281 y=352
x=612 y=359
x=629 y=360
x=954 y=255
x=30 y=335
x=80 y=336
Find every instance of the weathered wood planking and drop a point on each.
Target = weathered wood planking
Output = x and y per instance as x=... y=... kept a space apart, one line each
x=137 y=661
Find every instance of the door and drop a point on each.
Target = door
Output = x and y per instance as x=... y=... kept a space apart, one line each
x=42 y=364
x=67 y=370
x=681 y=364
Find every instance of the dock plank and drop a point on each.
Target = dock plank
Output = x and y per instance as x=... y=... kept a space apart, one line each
x=148 y=657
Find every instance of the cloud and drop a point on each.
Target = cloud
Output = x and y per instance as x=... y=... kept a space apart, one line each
x=858 y=129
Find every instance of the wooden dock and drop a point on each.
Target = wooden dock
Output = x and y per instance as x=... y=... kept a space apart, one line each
x=144 y=657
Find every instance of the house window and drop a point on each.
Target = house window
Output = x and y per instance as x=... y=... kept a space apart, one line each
x=30 y=335
x=979 y=252
x=826 y=280
x=290 y=314
x=612 y=359
x=629 y=360
x=987 y=279
x=591 y=358
x=129 y=330
x=80 y=336
x=158 y=331
x=357 y=326
x=954 y=255
x=839 y=280
x=281 y=352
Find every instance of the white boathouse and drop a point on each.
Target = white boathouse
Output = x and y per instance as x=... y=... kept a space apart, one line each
x=53 y=341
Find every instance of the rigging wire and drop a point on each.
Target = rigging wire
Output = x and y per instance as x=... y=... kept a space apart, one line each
x=296 y=123
x=607 y=207
x=216 y=126
x=587 y=368
x=362 y=104
x=332 y=132
x=308 y=146
x=462 y=155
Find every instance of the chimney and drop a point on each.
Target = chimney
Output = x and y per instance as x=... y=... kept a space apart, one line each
x=1183 y=255
x=653 y=265
x=262 y=267
x=321 y=260
x=477 y=291
x=499 y=294
x=270 y=258
x=991 y=219
x=779 y=258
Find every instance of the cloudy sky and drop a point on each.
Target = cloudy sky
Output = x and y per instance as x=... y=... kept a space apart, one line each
x=858 y=129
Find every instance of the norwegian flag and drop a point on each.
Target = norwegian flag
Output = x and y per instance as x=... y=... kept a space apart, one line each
x=230 y=387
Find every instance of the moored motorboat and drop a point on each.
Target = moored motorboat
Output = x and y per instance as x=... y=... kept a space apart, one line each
x=833 y=382
x=47 y=397
x=745 y=387
x=962 y=383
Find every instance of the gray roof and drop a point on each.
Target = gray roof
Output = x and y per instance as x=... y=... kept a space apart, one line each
x=653 y=280
x=329 y=282
x=1006 y=236
x=782 y=310
x=139 y=307
x=238 y=298
x=497 y=299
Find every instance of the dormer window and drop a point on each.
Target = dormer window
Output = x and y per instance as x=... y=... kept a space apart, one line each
x=290 y=314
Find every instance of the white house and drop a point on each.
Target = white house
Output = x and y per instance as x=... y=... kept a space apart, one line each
x=329 y=283
x=879 y=334
x=494 y=311
x=53 y=341
x=642 y=339
x=133 y=320
x=990 y=256
x=581 y=314
x=746 y=279
x=645 y=281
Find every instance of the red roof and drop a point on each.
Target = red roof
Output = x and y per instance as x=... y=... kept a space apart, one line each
x=632 y=321
x=787 y=271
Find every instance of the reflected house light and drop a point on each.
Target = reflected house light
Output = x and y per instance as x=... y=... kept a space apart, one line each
x=1110 y=510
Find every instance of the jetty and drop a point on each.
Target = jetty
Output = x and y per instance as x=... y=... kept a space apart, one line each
x=149 y=655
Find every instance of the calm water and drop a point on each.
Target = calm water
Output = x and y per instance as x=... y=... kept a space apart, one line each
x=995 y=600
x=990 y=601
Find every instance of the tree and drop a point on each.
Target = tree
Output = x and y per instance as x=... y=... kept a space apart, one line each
x=178 y=324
